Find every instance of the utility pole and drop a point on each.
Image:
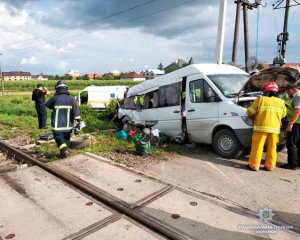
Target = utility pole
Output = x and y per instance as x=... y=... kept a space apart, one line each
x=246 y=5
x=236 y=32
x=283 y=37
x=221 y=31
x=2 y=83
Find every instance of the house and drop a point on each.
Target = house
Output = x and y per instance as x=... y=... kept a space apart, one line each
x=92 y=76
x=292 y=65
x=152 y=73
x=179 y=63
x=115 y=72
x=40 y=77
x=74 y=73
x=16 y=76
x=133 y=76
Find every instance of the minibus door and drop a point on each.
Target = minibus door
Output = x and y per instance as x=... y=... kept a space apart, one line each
x=169 y=108
x=202 y=109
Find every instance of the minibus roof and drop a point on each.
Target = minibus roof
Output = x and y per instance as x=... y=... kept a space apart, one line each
x=176 y=76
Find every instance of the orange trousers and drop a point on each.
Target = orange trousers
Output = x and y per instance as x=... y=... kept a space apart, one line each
x=257 y=147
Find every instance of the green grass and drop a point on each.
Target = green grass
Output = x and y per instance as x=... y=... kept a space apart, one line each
x=72 y=84
x=18 y=118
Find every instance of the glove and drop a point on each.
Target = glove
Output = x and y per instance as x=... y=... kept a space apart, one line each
x=77 y=129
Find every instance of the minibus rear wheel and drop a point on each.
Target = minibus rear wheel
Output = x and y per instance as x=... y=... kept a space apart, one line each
x=226 y=144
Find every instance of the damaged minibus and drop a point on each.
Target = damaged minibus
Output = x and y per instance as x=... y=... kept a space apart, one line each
x=201 y=100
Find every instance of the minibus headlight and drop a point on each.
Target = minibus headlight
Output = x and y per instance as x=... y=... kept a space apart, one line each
x=247 y=120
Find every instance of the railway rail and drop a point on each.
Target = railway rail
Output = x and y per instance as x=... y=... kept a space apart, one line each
x=165 y=211
x=86 y=188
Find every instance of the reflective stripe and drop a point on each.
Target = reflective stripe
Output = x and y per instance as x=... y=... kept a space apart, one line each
x=58 y=107
x=250 y=109
x=62 y=146
x=254 y=166
x=62 y=128
x=269 y=166
x=273 y=109
x=62 y=107
x=261 y=128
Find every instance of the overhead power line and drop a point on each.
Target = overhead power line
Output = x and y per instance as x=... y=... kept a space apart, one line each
x=74 y=28
x=103 y=27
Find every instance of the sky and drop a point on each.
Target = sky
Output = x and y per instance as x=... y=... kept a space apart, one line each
x=53 y=37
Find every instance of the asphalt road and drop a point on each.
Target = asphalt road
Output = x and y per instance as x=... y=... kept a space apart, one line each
x=229 y=181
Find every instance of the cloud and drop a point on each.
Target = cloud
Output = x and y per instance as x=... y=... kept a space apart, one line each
x=61 y=65
x=30 y=61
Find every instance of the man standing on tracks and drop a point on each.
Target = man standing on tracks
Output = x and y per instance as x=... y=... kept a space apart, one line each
x=268 y=111
x=64 y=112
x=38 y=96
x=293 y=129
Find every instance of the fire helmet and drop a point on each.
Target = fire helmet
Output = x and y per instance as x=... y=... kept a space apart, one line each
x=270 y=86
x=60 y=83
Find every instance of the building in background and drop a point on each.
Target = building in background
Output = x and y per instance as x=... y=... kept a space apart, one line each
x=40 y=77
x=152 y=73
x=92 y=76
x=74 y=73
x=115 y=72
x=179 y=63
x=292 y=65
x=133 y=76
x=16 y=76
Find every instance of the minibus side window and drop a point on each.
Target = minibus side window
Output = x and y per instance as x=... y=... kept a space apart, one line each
x=196 y=91
x=151 y=100
x=200 y=92
x=170 y=95
x=209 y=94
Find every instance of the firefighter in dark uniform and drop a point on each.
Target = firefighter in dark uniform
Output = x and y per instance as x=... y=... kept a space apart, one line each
x=38 y=96
x=64 y=113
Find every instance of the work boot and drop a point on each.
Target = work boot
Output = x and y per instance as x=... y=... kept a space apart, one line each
x=65 y=153
x=288 y=166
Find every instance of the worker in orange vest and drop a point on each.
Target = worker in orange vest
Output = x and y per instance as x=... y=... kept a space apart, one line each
x=268 y=111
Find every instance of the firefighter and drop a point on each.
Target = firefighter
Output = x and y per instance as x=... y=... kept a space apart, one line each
x=293 y=129
x=268 y=111
x=64 y=112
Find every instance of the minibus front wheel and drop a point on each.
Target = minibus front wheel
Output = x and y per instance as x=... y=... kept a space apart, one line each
x=226 y=144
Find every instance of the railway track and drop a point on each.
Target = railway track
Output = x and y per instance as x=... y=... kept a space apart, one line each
x=154 y=209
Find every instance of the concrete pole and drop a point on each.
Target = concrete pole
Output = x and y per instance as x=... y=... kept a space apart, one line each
x=285 y=28
x=221 y=31
x=246 y=33
x=236 y=32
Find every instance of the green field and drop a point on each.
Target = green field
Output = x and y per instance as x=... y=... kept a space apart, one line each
x=18 y=122
x=15 y=86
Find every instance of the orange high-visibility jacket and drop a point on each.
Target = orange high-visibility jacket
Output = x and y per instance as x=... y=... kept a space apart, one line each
x=268 y=113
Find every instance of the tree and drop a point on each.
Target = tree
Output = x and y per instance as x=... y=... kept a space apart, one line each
x=160 y=67
x=260 y=67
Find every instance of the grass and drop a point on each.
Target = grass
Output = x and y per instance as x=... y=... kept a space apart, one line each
x=72 y=84
x=18 y=119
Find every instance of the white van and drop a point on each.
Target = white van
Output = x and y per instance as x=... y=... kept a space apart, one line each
x=197 y=99
x=98 y=97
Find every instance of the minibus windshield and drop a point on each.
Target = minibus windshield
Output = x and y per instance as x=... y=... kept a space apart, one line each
x=229 y=84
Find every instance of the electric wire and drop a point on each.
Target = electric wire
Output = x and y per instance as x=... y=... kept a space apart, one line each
x=54 y=34
x=102 y=27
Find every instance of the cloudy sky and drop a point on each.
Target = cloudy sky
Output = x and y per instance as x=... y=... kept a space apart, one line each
x=104 y=35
